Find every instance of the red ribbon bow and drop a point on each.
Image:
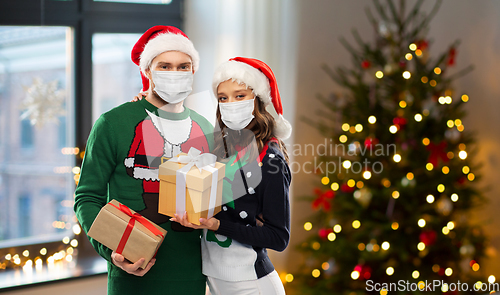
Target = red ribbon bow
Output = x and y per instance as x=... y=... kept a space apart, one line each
x=437 y=152
x=323 y=199
x=130 y=226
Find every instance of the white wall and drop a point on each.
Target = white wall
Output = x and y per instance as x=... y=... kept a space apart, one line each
x=476 y=23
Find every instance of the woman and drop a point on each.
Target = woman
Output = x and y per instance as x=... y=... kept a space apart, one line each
x=256 y=212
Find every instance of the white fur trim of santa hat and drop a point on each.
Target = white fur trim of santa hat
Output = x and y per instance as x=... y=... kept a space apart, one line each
x=168 y=42
x=243 y=73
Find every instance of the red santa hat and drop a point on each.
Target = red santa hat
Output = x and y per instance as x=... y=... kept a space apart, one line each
x=157 y=40
x=258 y=76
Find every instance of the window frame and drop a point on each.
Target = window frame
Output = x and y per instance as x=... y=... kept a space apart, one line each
x=85 y=17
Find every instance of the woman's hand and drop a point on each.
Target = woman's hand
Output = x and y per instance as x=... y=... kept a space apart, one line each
x=211 y=223
x=139 y=96
x=131 y=268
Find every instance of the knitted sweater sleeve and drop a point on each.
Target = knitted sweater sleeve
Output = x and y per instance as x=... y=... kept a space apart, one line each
x=273 y=195
x=98 y=165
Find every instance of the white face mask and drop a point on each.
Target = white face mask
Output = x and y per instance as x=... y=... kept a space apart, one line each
x=173 y=86
x=237 y=115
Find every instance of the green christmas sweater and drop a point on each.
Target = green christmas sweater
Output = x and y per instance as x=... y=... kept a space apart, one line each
x=123 y=152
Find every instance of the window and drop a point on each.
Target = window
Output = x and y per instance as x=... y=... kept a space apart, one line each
x=116 y=79
x=33 y=164
x=26 y=134
x=57 y=49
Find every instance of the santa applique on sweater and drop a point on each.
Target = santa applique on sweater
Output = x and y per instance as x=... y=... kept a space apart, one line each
x=157 y=137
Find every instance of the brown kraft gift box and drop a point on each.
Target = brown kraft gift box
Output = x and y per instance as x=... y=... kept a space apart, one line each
x=198 y=185
x=111 y=224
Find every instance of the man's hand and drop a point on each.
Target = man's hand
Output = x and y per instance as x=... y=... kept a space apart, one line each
x=211 y=223
x=131 y=268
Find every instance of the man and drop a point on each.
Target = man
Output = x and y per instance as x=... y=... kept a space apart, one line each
x=121 y=162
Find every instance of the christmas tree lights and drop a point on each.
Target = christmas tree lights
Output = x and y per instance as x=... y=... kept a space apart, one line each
x=409 y=220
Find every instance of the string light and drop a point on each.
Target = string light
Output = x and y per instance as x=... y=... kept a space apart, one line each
x=445 y=170
x=418 y=117
x=430 y=199
x=351 y=182
x=454 y=197
x=458 y=122
x=325 y=180
x=26 y=253
x=415 y=274
x=372 y=119
x=421 y=246
x=65 y=240
x=448 y=271
x=408 y=56
x=421 y=222
x=367 y=175
x=462 y=155
x=360 y=183
x=289 y=278
x=359 y=127
x=356 y=224
x=418 y=52
x=471 y=176
x=316 y=246
x=346 y=164
x=409 y=175
x=361 y=247
x=316 y=273
x=332 y=237
x=465 y=169
x=421 y=285
x=355 y=275
x=433 y=83
x=491 y=279
x=429 y=166
x=393 y=129
x=395 y=225
x=352 y=129
x=337 y=228
x=451 y=225
x=397 y=158
x=440 y=188
x=406 y=75
x=343 y=138
x=334 y=186
x=345 y=127
x=426 y=141
x=424 y=79
x=386 y=245
x=465 y=98
x=437 y=70
x=475 y=267
x=402 y=104
x=444 y=288
x=445 y=230
x=389 y=271
x=461 y=128
x=395 y=194
x=412 y=47
x=450 y=123
x=325 y=265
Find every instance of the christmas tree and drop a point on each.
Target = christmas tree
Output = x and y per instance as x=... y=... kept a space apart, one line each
x=399 y=181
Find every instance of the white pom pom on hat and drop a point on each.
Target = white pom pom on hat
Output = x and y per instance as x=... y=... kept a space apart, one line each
x=258 y=76
x=157 y=40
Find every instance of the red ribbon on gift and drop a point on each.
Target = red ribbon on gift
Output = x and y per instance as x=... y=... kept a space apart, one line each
x=130 y=226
